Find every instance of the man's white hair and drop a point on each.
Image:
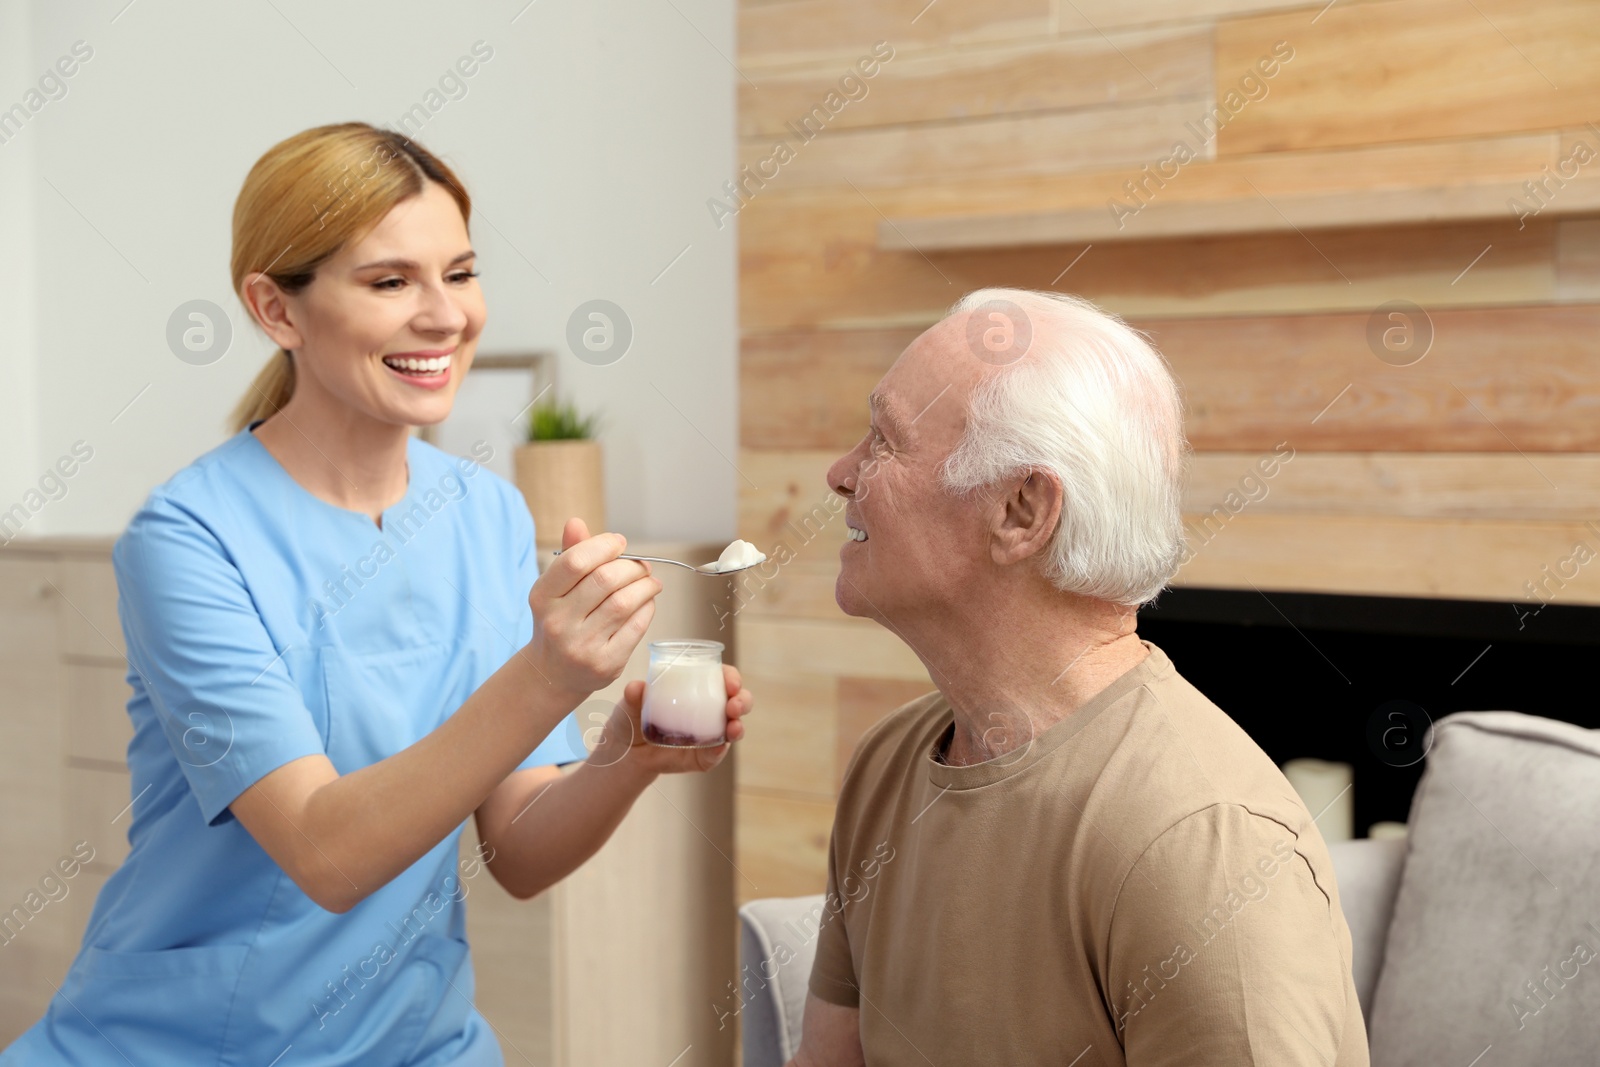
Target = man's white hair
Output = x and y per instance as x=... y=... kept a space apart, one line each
x=1093 y=403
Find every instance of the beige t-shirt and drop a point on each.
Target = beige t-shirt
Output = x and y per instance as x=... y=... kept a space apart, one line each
x=1138 y=885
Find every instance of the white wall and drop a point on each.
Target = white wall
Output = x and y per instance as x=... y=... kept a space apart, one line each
x=591 y=140
x=18 y=332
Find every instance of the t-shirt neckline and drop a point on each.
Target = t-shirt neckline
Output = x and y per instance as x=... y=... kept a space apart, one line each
x=971 y=776
x=271 y=463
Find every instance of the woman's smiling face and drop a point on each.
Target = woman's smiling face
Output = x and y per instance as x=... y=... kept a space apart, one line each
x=389 y=325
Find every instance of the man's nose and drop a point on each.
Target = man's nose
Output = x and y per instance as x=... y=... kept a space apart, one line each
x=842 y=474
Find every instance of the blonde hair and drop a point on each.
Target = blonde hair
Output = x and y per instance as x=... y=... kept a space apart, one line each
x=307 y=198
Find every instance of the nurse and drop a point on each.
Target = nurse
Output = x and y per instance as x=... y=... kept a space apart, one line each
x=336 y=660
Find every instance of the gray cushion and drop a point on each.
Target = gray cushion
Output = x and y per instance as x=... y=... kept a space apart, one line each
x=1494 y=934
x=1368 y=873
x=776 y=947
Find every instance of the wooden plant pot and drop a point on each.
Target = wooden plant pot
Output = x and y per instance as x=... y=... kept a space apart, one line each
x=561 y=480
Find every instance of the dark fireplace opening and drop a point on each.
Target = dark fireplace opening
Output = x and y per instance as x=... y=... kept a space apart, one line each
x=1357 y=678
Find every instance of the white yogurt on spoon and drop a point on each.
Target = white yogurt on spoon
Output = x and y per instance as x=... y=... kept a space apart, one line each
x=738 y=556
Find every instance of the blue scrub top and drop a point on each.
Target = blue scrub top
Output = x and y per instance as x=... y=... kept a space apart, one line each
x=262 y=625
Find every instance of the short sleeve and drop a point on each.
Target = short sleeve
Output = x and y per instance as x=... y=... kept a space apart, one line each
x=564 y=744
x=217 y=685
x=833 y=971
x=1224 y=951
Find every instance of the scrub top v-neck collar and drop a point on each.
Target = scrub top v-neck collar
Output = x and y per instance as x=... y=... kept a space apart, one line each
x=280 y=472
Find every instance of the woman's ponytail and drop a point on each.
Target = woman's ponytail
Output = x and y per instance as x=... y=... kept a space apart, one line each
x=272 y=388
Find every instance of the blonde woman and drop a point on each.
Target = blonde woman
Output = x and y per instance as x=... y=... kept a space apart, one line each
x=336 y=660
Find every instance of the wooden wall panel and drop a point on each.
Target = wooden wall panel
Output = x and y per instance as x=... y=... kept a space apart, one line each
x=1495 y=379
x=841 y=279
x=1106 y=14
x=847 y=647
x=1046 y=143
x=782 y=845
x=804 y=590
x=1578 y=259
x=1420 y=485
x=789 y=505
x=1250 y=382
x=807 y=594
x=809 y=390
x=1394 y=557
x=1004 y=79
x=1411 y=70
x=1280 y=176
x=791 y=747
x=802 y=30
x=1357 y=172
x=1384 y=185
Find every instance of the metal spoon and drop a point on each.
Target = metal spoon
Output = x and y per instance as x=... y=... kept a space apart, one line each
x=704 y=568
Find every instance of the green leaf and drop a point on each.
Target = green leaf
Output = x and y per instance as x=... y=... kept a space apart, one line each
x=554 y=420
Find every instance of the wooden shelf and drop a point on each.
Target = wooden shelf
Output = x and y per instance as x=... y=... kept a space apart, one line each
x=1275 y=192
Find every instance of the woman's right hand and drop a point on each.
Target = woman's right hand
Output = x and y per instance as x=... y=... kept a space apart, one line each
x=590 y=610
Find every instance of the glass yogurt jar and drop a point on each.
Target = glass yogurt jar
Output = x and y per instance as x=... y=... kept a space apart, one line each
x=685 y=697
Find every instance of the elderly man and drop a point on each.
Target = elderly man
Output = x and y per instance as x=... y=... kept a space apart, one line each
x=1067 y=854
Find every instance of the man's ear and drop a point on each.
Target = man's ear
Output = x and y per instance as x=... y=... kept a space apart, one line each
x=1025 y=517
x=269 y=306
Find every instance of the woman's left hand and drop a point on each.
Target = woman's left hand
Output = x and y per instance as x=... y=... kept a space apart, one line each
x=623 y=741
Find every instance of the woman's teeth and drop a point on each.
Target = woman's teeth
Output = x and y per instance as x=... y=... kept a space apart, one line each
x=410 y=365
x=854 y=534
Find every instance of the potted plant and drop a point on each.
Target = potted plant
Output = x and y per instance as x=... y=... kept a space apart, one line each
x=560 y=471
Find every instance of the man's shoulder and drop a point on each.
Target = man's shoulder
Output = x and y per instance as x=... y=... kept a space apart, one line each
x=1181 y=754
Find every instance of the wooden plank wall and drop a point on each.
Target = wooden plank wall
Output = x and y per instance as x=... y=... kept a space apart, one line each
x=1465 y=474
